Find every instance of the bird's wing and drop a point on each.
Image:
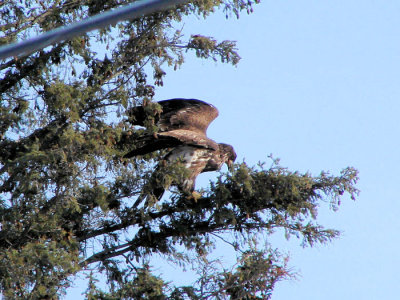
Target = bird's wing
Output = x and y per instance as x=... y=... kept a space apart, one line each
x=163 y=140
x=188 y=114
x=150 y=143
x=191 y=138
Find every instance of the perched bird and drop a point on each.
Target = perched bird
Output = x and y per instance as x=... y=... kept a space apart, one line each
x=182 y=128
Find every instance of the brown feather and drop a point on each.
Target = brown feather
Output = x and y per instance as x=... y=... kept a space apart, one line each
x=189 y=114
x=182 y=126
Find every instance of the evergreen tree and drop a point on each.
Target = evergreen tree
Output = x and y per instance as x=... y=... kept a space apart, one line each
x=67 y=194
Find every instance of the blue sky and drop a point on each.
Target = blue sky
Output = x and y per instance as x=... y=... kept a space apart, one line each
x=318 y=86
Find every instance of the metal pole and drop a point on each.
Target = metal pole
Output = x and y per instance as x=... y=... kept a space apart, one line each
x=131 y=11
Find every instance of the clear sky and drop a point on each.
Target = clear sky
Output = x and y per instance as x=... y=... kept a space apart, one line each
x=318 y=86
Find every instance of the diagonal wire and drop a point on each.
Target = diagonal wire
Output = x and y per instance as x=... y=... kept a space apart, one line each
x=131 y=11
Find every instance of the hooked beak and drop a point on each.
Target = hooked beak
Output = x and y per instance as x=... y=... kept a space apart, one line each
x=230 y=165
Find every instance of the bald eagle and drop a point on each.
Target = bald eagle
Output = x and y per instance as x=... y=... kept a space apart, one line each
x=182 y=128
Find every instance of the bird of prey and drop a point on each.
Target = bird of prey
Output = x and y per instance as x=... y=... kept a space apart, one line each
x=182 y=128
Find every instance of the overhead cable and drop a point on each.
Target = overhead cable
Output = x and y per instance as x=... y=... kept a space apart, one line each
x=129 y=12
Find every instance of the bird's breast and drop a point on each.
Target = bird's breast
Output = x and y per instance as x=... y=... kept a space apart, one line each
x=189 y=155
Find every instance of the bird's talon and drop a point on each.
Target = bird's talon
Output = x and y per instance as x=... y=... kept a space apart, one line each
x=195 y=196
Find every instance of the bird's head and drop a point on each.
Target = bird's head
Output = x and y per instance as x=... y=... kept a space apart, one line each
x=228 y=154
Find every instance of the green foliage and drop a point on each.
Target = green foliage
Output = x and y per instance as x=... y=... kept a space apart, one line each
x=67 y=196
x=207 y=47
x=256 y=275
x=143 y=286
